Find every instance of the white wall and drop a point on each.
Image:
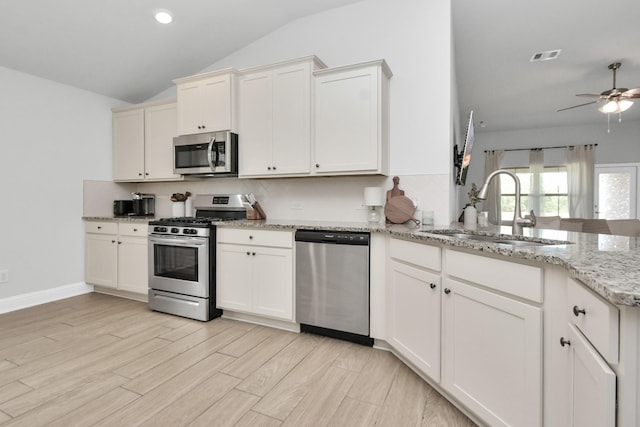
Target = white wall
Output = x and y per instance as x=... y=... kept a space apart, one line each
x=414 y=36
x=621 y=145
x=52 y=137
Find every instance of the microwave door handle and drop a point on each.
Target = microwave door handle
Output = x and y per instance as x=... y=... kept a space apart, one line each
x=210 y=154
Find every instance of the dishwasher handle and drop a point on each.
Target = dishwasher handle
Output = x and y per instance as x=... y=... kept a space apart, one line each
x=333 y=237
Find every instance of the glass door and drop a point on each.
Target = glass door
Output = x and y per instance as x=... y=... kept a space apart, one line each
x=615 y=191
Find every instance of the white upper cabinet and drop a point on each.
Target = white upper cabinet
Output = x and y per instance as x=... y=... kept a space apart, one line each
x=275 y=118
x=159 y=130
x=143 y=142
x=352 y=120
x=206 y=102
x=128 y=144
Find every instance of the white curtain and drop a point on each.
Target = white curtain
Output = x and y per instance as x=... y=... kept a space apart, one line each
x=492 y=162
x=580 y=173
x=536 y=167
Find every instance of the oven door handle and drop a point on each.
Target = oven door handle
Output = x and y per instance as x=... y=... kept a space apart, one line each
x=210 y=154
x=178 y=241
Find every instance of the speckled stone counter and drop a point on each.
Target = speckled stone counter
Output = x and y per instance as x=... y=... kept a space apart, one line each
x=137 y=219
x=610 y=265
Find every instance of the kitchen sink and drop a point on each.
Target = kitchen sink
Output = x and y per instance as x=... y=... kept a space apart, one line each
x=499 y=239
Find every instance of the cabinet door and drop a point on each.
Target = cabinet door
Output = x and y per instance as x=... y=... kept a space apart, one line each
x=593 y=385
x=346 y=125
x=233 y=284
x=128 y=145
x=133 y=273
x=160 y=128
x=414 y=316
x=256 y=120
x=492 y=355
x=216 y=103
x=101 y=263
x=292 y=119
x=190 y=108
x=273 y=282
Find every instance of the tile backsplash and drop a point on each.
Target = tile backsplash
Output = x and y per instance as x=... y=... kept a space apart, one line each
x=317 y=198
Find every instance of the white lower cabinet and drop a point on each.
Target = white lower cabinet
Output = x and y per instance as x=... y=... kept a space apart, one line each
x=101 y=259
x=482 y=345
x=257 y=278
x=593 y=384
x=414 y=305
x=590 y=341
x=116 y=256
x=492 y=354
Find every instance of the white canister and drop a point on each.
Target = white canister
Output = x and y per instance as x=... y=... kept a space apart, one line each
x=177 y=209
x=470 y=217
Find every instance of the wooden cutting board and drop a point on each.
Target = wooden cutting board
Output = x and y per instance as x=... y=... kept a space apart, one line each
x=399 y=210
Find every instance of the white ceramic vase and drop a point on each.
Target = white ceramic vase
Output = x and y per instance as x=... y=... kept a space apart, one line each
x=470 y=217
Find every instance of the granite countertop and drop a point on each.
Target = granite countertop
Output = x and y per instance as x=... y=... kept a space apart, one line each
x=610 y=265
x=128 y=218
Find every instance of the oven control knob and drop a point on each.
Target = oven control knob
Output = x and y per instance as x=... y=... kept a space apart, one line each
x=189 y=231
x=174 y=230
x=160 y=229
x=156 y=228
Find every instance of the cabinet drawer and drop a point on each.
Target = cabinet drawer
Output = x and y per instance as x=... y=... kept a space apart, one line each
x=598 y=322
x=133 y=229
x=251 y=236
x=523 y=281
x=99 y=227
x=416 y=253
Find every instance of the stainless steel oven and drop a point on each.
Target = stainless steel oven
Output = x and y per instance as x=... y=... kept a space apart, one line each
x=180 y=269
x=182 y=259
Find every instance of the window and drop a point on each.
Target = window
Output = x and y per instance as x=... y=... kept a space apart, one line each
x=553 y=197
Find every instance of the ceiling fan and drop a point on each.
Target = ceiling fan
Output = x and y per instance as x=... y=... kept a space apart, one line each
x=617 y=99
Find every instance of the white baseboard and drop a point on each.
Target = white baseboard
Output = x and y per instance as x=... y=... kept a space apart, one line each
x=31 y=299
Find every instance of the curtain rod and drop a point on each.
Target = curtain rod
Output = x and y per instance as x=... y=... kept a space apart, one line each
x=541 y=148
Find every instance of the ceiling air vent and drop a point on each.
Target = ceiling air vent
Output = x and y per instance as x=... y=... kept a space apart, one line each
x=545 y=56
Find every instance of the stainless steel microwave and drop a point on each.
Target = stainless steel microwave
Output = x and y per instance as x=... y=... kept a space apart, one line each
x=206 y=154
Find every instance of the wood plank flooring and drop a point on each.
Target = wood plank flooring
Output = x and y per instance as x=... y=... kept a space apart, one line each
x=107 y=361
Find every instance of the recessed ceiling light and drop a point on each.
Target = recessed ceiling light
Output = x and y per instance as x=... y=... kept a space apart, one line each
x=163 y=17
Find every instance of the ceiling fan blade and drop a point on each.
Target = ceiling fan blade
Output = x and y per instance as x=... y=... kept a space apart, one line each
x=593 y=95
x=576 y=106
x=632 y=93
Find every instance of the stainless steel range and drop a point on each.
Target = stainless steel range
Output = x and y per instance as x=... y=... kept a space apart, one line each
x=182 y=257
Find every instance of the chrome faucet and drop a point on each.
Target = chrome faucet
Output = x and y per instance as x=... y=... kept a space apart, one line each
x=518 y=220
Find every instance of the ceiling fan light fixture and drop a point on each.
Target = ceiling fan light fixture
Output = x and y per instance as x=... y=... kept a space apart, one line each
x=615 y=106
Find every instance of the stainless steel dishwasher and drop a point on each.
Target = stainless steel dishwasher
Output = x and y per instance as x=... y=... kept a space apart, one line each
x=332 y=284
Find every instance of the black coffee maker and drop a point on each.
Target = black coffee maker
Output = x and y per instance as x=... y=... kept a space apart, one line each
x=144 y=204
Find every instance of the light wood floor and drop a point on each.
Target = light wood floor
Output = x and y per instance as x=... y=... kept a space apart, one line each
x=107 y=361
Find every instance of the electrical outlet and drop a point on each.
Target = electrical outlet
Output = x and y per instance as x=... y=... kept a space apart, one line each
x=4 y=276
x=296 y=205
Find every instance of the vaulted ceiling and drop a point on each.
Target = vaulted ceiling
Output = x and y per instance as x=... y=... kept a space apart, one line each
x=495 y=40
x=116 y=48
